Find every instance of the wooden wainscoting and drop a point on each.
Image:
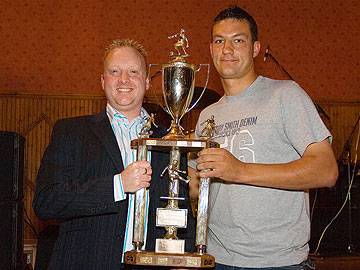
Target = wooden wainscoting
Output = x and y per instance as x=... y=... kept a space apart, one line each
x=33 y=116
x=342 y=120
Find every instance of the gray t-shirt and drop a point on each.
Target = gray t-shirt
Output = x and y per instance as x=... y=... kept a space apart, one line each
x=270 y=122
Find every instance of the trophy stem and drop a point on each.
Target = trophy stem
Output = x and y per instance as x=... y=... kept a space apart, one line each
x=174 y=166
x=140 y=206
x=202 y=215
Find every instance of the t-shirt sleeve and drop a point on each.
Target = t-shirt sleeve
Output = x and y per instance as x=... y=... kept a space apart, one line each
x=302 y=123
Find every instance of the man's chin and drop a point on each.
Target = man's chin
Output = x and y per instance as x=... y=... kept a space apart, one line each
x=228 y=75
x=227 y=72
x=129 y=106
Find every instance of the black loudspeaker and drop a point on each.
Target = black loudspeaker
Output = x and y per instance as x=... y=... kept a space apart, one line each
x=11 y=235
x=11 y=166
x=343 y=236
x=11 y=200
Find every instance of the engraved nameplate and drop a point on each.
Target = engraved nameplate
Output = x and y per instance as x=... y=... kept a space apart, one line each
x=170 y=246
x=171 y=217
x=146 y=260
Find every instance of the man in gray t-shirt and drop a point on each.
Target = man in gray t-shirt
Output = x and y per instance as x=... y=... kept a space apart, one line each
x=274 y=147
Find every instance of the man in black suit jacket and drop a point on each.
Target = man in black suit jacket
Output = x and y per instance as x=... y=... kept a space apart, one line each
x=77 y=176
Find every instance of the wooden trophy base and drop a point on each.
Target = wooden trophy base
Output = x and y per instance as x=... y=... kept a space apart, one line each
x=184 y=260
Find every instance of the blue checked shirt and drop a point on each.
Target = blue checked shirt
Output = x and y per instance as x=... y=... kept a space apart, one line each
x=124 y=133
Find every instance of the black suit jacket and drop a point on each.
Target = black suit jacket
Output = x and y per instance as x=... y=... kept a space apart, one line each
x=75 y=185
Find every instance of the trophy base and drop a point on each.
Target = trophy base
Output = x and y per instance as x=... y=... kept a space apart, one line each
x=185 y=260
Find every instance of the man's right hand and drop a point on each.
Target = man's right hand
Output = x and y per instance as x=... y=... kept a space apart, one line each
x=136 y=176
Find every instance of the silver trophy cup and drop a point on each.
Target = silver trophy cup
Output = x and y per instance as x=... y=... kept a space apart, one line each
x=178 y=83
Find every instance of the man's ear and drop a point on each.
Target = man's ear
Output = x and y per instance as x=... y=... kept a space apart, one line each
x=211 y=49
x=256 y=49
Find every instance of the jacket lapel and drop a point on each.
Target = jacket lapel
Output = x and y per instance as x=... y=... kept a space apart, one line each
x=102 y=129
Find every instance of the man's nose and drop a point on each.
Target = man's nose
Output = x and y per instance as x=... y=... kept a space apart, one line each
x=228 y=47
x=124 y=77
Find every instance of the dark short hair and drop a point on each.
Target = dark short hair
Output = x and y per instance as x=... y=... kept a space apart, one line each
x=237 y=13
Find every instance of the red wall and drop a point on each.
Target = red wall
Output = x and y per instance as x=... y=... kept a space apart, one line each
x=56 y=46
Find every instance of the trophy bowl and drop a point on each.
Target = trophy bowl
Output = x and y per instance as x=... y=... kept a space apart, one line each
x=178 y=88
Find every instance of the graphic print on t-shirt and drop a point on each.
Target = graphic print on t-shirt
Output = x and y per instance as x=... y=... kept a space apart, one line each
x=235 y=137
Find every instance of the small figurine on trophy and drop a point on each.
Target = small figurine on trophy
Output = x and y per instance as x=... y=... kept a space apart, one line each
x=208 y=131
x=180 y=45
x=147 y=126
x=175 y=173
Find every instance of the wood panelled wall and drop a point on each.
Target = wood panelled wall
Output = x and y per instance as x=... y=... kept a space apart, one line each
x=34 y=115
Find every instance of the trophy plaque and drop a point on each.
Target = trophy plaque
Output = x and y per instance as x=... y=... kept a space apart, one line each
x=178 y=81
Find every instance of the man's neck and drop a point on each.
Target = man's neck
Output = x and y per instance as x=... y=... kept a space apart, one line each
x=235 y=86
x=132 y=116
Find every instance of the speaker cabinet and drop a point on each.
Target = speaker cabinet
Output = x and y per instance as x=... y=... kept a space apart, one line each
x=11 y=166
x=11 y=235
x=11 y=200
x=343 y=235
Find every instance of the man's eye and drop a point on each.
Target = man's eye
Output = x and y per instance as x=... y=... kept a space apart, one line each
x=218 y=41
x=114 y=71
x=238 y=40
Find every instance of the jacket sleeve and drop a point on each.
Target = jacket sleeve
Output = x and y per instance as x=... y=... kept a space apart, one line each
x=76 y=175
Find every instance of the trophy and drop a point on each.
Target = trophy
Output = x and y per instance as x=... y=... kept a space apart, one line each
x=178 y=81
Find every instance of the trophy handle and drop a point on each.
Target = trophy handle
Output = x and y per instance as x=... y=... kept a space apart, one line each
x=152 y=77
x=155 y=74
x=206 y=83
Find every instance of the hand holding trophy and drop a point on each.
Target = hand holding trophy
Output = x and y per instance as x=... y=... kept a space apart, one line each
x=178 y=81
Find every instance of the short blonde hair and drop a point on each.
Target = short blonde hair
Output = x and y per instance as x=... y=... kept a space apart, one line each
x=119 y=43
